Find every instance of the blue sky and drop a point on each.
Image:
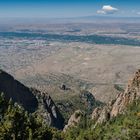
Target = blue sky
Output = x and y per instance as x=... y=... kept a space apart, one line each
x=68 y=8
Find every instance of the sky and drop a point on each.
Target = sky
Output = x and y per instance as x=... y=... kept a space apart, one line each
x=69 y=8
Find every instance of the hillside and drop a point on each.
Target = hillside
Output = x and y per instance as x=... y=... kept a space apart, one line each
x=31 y=100
x=18 y=124
x=17 y=91
x=120 y=119
x=123 y=127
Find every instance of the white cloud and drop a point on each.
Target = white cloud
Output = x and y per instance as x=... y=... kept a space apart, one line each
x=138 y=13
x=107 y=9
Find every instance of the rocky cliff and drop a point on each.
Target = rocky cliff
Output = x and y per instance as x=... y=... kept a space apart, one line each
x=31 y=99
x=48 y=110
x=119 y=105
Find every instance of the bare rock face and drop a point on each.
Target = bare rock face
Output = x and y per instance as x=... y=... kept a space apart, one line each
x=74 y=119
x=119 y=105
x=56 y=119
x=96 y=113
x=105 y=115
x=131 y=93
x=101 y=115
x=17 y=91
x=48 y=110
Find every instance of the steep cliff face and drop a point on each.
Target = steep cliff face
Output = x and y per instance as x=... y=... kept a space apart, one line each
x=48 y=110
x=118 y=105
x=17 y=91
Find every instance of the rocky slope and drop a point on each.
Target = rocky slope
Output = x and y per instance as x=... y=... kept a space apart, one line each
x=74 y=119
x=48 y=110
x=31 y=99
x=119 y=105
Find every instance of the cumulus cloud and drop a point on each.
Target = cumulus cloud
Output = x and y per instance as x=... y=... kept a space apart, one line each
x=107 y=9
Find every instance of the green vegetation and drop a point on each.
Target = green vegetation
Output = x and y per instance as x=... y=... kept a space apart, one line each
x=16 y=124
x=83 y=101
x=123 y=127
x=97 y=39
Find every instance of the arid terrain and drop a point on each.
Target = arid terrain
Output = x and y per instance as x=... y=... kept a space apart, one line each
x=69 y=70
x=47 y=56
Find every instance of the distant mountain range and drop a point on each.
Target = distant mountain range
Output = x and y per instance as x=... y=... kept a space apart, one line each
x=84 y=19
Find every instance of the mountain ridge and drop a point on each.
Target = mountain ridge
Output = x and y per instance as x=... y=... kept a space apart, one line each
x=17 y=91
x=118 y=106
